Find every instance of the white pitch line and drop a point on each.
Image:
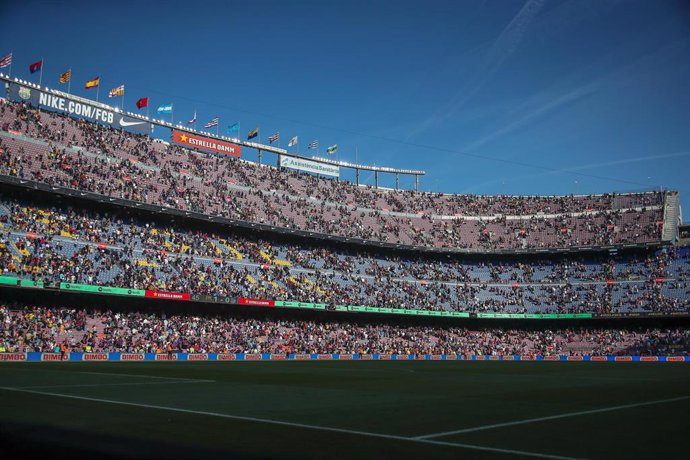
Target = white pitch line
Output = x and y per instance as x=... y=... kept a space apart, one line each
x=84 y=385
x=550 y=417
x=296 y=425
x=145 y=376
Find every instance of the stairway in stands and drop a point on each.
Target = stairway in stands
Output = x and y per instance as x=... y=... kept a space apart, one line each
x=671 y=213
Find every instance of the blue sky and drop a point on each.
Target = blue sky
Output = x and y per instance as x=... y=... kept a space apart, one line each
x=489 y=97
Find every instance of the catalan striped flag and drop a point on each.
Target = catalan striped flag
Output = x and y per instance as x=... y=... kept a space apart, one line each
x=93 y=83
x=66 y=76
x=119 y=91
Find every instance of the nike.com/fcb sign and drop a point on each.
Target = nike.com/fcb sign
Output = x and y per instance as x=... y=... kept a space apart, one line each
x=205 y=143
x=77 y=109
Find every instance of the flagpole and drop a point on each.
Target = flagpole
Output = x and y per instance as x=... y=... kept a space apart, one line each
x=69 y=82
x=11 y=59
x=98 y=89
x=172 y=115
x=40 y=77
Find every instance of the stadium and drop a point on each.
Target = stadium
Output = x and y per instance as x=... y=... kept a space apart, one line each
x=173 y=291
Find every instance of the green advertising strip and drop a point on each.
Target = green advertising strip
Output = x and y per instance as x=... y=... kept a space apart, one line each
x=535 y=315
x=12 y=281
x=443 y=313
x=311 y=306
x=458 y=314
x=29 y=283
x=8 y=280
x=102 y=289
x=281 y=303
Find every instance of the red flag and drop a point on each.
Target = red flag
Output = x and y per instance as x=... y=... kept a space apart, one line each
x=36 y=66
x=143 y=102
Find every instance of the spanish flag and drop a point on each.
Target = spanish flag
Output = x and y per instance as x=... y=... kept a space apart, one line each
x=93 y=83
x=66 y=76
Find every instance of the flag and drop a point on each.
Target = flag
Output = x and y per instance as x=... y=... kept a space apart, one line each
x=66 y=76
x=143 y=102
x=274 y=137
x=119 y=91
x=212 y=123
x=93 y=83
x=314 y=145
x=292 y=142
x=234 y=127
x=7 y=60
x=165 y=108
x=193 y=120
x=332 y=149
x=36 y=66
x=253 y=133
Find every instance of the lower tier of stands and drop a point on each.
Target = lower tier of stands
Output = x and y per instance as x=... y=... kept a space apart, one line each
x=45 y=329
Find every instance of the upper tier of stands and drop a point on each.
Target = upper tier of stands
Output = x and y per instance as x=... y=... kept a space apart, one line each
x=58 y=150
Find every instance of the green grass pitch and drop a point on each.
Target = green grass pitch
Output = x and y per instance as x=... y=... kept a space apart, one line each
x=380 y=410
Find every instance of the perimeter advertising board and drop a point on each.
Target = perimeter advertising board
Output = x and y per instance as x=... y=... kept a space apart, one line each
x=168 y=295
x=256 y=302
x=118 y=356
x=208 y=144
x=301 y=164
x=77 y=109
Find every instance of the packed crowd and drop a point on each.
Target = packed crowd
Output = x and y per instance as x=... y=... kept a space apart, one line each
x=32 y=328
x=76 y=246
x=65 y=152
